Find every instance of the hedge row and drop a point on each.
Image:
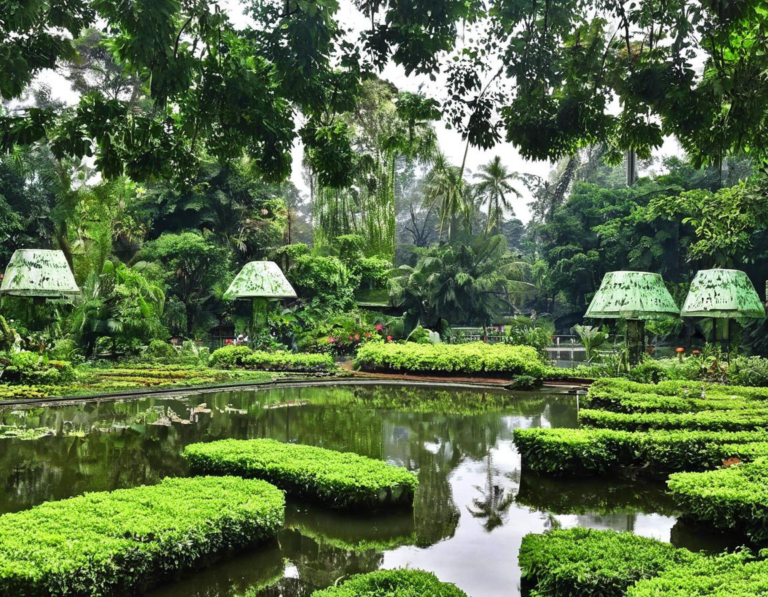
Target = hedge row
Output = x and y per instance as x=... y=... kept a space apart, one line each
x=689 y=389
x=707 y=420
x=229 y=357
x=733 y=498
x=393 y=583
x=588 y=563
x=584 y=562
x=475 y=357
x=124 y=541
x=654 y=453
x=337 y=479
x=632 y=402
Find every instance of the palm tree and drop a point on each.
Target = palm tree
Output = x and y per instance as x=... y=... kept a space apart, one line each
x=444 y=187
x=494 y=188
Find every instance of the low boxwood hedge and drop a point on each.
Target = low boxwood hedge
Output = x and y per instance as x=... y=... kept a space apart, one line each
x=689 y=389
x=634 y=402
x=708 y=420
x=732 y=575
x=588 y=563
x=229 y=357
x=654 y=453
x=393 y=583
x=337 y=479
x=472 y=358
x=733 y=498
x=124 y=541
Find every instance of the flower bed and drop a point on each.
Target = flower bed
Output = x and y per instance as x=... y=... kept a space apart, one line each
x=337 y=479
x=124 y=541
x=587 y=563
x=731 y=499
x=229 y=357
x=473 y=358
x=393 y=583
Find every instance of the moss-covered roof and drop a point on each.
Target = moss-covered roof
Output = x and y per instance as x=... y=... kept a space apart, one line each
x=39 y=273
x=260 y=279
x=632 y=295
x=722 y=293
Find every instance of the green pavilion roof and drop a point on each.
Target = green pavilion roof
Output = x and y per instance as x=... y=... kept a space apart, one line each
x=723 y=293
x=632 y=295
x=39 y=273
x=260 y=279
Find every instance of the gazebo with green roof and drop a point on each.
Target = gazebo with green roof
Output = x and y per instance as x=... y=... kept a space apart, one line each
x=260 y=282
x=634 y=297
x=39 y=273
x=723 y=294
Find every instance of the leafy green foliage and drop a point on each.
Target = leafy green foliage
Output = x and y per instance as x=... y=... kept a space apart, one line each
x=65 y=547
x=732 y=499
x=325 y=284
x=229 y=357
x=706 y=420
x=392 y=583
x=588 y=563
x=474 y=358
x=337 y=479
x=33 y=368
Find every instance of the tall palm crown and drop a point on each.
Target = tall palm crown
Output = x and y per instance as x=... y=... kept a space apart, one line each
x=494 y=188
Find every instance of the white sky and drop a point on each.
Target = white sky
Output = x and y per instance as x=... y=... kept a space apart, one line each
x=450 y=141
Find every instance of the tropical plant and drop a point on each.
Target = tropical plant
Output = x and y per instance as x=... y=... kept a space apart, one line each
x=591 y=339
x=494 y=189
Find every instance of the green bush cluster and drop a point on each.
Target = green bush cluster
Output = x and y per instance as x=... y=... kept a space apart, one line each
x=588 y=563
x=337 y=479
x=229 y=357
x=706 y=420
x=33 y=368
x=393 y=583
x=475 y=357
x=8 y=392
x=733 y=498
x=685 y=389
x=124 y=541
x=633 y=402
x=653 y=453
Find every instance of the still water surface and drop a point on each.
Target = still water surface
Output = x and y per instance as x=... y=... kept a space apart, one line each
x=473 y=507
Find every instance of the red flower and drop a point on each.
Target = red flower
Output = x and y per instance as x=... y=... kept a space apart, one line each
x=357 y=337
x=367 y=334
x=389 y=338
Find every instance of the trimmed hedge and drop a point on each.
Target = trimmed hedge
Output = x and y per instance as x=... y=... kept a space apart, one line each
x=733 y=498
x=733 y=575
x=654 y=453
x=393 y=583
x=124 y=541
x=633 y=402
x=689 y=389
x=229 y=357
x=708 y=420
x=475 y=357
x=588 y=563
x=337 y=479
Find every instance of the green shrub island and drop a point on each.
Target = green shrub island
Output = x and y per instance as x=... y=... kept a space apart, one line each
x=393 y=583
x=473 y=358
x=707 y=420
x=734 y=498
x=336 y=479
x=124 y=541
x=230 y=357
x=588 y=563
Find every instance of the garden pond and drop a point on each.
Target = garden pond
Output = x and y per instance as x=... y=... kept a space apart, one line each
x=473 y=507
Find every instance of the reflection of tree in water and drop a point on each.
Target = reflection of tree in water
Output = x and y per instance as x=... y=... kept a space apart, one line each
x=493 y=506
x=435 y=512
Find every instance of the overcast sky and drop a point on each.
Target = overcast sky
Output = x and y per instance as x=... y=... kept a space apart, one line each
x=450 y=141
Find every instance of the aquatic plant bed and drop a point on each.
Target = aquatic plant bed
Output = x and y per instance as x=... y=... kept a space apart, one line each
x=731 y=499
x=588 y=563
x=472 y=358
x=337 y=479
x=124 y=541
x=230 y=357
x=393 y=583
x=651 y=453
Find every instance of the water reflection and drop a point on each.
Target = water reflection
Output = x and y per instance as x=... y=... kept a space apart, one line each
x=472 y=509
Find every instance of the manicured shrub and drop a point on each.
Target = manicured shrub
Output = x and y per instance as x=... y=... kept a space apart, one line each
x=748 y=371
x=708 y=420
x=588 y=563
x=733 y=498
x=393 y=583
x=476 y=357
x=636 y=402
x=653 y=453
x=228 y=357
x=337 y=479
x=122 y=542
x=690 y=389
x=286 y=361
x=732 y=575
x=15 y=392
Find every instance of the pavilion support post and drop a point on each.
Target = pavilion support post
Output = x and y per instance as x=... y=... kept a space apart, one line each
x=635 y=341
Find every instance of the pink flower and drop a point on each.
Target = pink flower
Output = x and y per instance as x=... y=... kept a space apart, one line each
x=389 y=338
x=331 y=339
x=351 y=338
x=367 y=334
x=357 y=337
x=379 y=327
